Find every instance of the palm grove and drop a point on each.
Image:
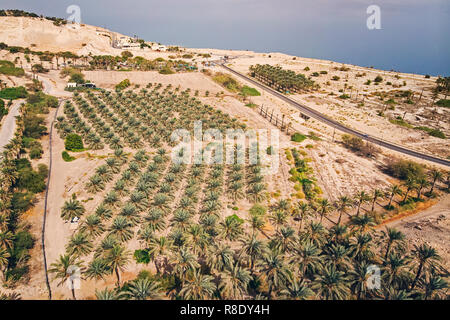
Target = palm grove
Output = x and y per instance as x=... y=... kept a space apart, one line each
x=189 y=248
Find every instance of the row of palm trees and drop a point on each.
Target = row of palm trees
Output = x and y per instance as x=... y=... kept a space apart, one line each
x=8 y=178
x=281 y=79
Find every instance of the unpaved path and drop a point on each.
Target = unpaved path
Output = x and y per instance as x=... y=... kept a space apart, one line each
x=431 y=225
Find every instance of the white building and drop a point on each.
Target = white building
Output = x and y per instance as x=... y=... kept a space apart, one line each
x=71 y=85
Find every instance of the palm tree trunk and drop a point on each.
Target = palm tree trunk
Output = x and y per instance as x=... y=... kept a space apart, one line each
x=73 y=293
x=390 y=200
x=357 y=211
x=406 y=195
x=387 y=250
x=118 y=276
x=373 y=204
x=419 y=271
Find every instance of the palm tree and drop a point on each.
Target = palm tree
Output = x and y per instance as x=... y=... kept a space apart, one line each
x=343 y=203
x=93 y=226
x=434 y=283
x=359 y=278
x=361 y=198
x=392 y=236
x=424 y=257
x=422 y=182
x=435 y=176
x=184 y=262
x=377 y=193
x=97 y=269
x=276 y=273
x=79 y=245
x=72 y=209
x=144 y=289
x=296 y=289
x=233 y=282
x=279 y=218
x=159 y=249
x=362 y=224
x=409 y=184
x=220 y=257
x=121 y=229
x=4 y=255
x=307 y=256
x=63 y=270
x=253 y=249
x=394 y=190
x=330 y=284
x=304 y=210
x=117 y=259
x=324 y=207
x=108 y=295
x=197 y=286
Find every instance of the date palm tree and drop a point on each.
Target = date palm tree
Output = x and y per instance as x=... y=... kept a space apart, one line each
x=4 y=255
x=296 y=289
x=422 y=182
x=159 y=249
x=197 y=286
x=435 y=176
x=343 y=203
x=93 y=226
x=97 y=269
x=72 y=209
x=79 y=245
x=425 y=257
x=324 y=207
x=107 y=294
x=393 y=191
x=220 y=257
x=121 y=229
x=144 y=289
x=252 y=249
x=361 y=198
x=117 y=259
x=275 y=271
x=392 y=236
x=184 y=262
x=63 y=270
x=234 y=281
x=377 y=194
x=303 y=211
x=330 y=284
x=410 y=184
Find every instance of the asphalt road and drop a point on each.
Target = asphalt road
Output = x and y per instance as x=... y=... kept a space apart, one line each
x=332 y=123
x=9 y=124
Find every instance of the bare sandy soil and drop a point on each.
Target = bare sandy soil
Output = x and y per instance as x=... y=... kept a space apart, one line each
x=431 y=225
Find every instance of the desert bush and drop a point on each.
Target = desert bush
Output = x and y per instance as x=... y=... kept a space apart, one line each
x=73 y=142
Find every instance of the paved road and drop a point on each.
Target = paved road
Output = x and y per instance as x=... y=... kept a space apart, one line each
x=9 y=124
x=332 y=123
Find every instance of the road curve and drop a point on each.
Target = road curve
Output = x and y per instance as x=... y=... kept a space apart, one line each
x=332 y=123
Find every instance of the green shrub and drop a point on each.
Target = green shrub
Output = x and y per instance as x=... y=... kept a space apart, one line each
x=73 y=142
x=123 y=84
x=67 y=157
x=166 y=70
x=444 y=103
x=298 y=137
x=13 y=93
x=8 y=68
x=142 y=256
x=378 y=79
x=404 y=169
x=258 y=210
x=247 y=91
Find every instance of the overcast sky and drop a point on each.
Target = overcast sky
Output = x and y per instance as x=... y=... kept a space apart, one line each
x=415 y=34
